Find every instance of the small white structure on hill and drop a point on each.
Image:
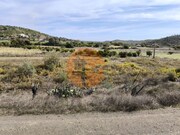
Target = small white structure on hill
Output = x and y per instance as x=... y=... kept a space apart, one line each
x=23 y=36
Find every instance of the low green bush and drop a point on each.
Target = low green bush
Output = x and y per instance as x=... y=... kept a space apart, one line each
x=51 y=61
x=129 y=54
x=61 y=77
x=107 y=53
x=170 y=53
x=134 y=54
x=138 y=52
x=65 y=91
x=149 y=53
x=26 y=70
x=123 y=54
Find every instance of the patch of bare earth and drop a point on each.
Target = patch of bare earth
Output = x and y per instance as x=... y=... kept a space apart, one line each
x=149 y=122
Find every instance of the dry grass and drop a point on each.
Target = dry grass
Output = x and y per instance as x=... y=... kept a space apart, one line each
x=166 y=55
x=19 y=103
x=18 y=52
x=169 y=98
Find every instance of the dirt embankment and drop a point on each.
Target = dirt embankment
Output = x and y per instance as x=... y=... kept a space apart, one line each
x=153 y=122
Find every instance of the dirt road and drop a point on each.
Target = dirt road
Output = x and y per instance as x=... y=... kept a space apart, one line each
x=156 y=122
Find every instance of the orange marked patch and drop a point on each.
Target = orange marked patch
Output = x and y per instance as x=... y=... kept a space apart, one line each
x=84 y=68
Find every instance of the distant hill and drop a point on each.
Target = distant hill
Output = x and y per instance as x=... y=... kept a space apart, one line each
x=167 y=41
x=8 y=32
x=129 y=41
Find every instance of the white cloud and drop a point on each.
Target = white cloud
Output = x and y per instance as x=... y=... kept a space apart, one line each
x=86 y=16
x=164 y=2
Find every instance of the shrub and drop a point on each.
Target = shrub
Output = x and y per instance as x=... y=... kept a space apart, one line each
x=170 y=53
x=106 y=60
x=87 y=52
x=177 y=70
x=26 y=70
x=149 y=53
x=69 y=45
x=72 y=50
x=48 y=49
x=134 y=54
x=177 y=47
x=170 y=98
x=65 y=91
x=57 y=49
x=104 y=53
x=112 y=53
x=44 y=73
x=125 y=47
x=51 y=61
x=64 y=50
x=123 y=102
x=107 y=53
x=2 y=71
x=138 y=52
x=100 y=52
x=123 y=54
x=129 y=54
x=18 y=42
x=4 y=44
x=61 y=77
x=171 y=77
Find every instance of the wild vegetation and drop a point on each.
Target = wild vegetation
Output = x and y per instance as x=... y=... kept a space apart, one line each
x=130 y=84
x=40 y=79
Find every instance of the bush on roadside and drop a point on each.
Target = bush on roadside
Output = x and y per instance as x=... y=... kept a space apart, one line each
x=169 y=98
x=65 y=91
x=123 y=102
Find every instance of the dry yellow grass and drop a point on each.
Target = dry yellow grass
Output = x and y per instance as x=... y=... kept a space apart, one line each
x=8 y=52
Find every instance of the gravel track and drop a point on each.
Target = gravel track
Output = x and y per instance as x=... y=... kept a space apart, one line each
x=150 y=122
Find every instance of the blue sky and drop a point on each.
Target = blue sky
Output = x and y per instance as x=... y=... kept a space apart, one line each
x=96 y=20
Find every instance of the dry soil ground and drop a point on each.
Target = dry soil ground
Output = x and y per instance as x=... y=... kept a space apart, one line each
x=153 y=122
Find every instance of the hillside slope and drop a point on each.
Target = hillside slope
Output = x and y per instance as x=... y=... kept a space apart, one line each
x=167 y=41
x=8 y=32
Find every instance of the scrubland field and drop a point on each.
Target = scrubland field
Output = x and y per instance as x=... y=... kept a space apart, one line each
x=129 y=84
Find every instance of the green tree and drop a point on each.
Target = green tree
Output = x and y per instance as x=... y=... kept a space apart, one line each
x=19 y=42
